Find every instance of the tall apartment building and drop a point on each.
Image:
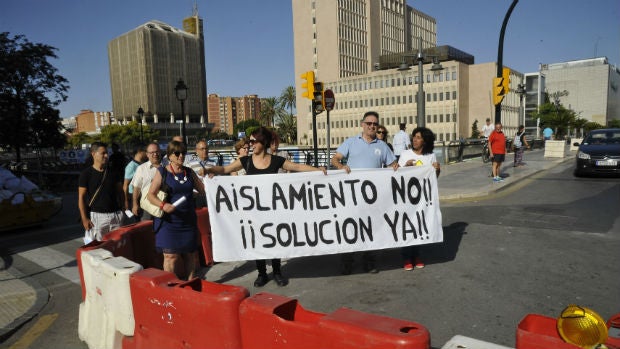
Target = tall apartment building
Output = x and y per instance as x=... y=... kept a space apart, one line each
x=343 y=39
x=91 y=122
x=226 y=112
x=145 y=65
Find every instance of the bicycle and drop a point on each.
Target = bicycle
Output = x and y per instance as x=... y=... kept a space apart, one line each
x=486 y=154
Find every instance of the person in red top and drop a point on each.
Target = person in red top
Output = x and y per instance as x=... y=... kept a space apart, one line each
x=497 y=148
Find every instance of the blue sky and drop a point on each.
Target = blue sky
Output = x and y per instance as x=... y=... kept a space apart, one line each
x=249 y=43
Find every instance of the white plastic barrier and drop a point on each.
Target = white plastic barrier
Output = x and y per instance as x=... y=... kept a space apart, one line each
x=555 y=149
x=106 y=313
x=470 y=343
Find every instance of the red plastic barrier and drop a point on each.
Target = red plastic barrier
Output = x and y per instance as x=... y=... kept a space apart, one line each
x=204 y=227
x=540 y=332
x=273 y=321
x=171 y=313
x=108 y=245
x=613 y=324
x=347 y=328
x=136 y=242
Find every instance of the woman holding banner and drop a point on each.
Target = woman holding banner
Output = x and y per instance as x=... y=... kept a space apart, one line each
x=421 y=155
x=261 y=162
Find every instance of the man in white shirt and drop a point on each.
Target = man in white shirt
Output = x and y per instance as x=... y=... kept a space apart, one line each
x=141 y=180
x=401 y=141
x=487 y=129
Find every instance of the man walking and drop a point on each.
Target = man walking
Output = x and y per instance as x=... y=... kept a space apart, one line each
x=141 y=181
x=100 y=196
x=363 y=151
x=139 y=156
x=497 y=149
x=401 y=141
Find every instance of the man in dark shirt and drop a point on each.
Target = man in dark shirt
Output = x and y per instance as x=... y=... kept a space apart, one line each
x=100 y=196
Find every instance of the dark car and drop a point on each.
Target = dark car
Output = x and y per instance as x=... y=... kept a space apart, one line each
x=599 y=153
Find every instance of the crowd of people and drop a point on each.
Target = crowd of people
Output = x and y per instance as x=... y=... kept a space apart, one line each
x=113 y=192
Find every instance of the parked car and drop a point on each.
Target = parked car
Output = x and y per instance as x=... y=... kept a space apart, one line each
x=599 y=153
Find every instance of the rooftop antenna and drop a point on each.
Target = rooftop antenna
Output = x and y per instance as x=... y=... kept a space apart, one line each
x=195 y=8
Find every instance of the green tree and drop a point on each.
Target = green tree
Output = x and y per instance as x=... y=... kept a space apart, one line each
x=30 y=89
x=246 y=126
x=475 y=133
x=557 y=118
x=613 y=123
x=78 y=139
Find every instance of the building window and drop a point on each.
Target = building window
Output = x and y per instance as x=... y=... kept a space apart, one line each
x=435 y=118
x=453 y=94
x=453 y=75
x=447 y=96
x=440 y=117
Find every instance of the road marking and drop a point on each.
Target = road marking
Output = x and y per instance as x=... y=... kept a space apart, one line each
x=57 y=262
x=35 y=331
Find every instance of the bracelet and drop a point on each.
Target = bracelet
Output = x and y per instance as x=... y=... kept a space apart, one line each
x=161 y=207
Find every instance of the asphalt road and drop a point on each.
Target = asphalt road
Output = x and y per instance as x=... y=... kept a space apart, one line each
x=547 y=242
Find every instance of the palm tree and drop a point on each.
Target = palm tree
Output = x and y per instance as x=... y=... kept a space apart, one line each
x=287 y=98
x=287 y=128
x=270 y=110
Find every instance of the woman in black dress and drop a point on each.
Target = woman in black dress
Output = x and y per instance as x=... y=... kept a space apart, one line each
x=261 y=162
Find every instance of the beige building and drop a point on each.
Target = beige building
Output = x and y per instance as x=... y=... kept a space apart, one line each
x=145 y=65
x=590 y=87
x=342 y=39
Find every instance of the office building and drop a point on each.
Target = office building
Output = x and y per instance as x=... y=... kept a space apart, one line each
x=587 y=86
x=145 y=65
x=343 y=39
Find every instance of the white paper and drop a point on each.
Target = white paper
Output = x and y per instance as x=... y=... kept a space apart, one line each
x=178 y=202
x=128 y=213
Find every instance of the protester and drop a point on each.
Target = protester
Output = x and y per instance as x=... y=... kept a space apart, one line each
x=100 y=196
x=141 y=180
x=177 y=229
x=401 y=140
x=363 y=151
x=117 y=163
x=139 y=157
x=274 y=148
x=261 y=162
x=199 y=161
x=421 y=155
x=242 y=148
x=497 y=150
x=487 y=128
x=519 y=144
x=382 y=134
x=164 y=159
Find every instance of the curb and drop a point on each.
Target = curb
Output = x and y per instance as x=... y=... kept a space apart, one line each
x=41 y=299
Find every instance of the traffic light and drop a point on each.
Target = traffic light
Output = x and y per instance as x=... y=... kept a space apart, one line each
x=506 y=77
x=318 y=102
x=308 y=85
x=498 y=90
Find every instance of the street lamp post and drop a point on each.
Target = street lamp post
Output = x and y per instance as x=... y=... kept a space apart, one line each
x=521 y=91
x=181 y=92
x=421 y=96
x=141 y=115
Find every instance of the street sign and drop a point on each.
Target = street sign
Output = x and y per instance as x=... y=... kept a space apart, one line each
x=328 y=99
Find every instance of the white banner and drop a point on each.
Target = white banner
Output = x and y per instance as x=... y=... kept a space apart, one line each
x=309 y=213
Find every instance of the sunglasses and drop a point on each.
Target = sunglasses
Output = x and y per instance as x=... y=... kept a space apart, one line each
x=252 y=141
x=179 y=153
x=368 y=123
x=380 y=132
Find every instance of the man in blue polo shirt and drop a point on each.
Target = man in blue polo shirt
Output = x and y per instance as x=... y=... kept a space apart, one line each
x=363 y=151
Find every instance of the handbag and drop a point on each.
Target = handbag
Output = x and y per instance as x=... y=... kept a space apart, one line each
x=162 y=195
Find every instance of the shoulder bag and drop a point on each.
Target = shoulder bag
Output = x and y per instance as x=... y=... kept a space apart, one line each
x=162 y=195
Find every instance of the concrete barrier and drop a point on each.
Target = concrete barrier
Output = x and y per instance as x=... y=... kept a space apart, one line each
x=555 y=149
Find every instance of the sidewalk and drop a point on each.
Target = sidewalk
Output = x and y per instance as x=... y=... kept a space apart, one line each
x=22 y=298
